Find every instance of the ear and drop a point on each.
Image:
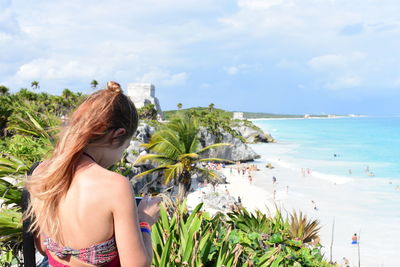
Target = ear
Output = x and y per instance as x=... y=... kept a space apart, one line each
x=118 y=132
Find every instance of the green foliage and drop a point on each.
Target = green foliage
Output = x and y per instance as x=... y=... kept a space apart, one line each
x=5 y=111
x=4 y=90
x=28 y=123
x=148 y=112
x=213 y=119
x=181 y=238
x=10 y=191
x=10 y=226
x=8 y=257
x=28 y=149
x=35 y=85
x=94 y=84
x=303 y=229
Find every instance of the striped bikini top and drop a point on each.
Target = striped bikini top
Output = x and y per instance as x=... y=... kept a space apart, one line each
x=98 y=254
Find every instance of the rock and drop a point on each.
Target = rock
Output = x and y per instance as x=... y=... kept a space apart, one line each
x=238 y=151
x=148 y=183
x=252 y=135
x=142 y=136
x=144 y=132
x=215 y=199
x=269 y=166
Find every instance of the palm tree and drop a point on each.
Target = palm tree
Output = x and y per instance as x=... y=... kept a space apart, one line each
x=67 y=93
x=35 y=85
x=211 y=107
x=3 y=90
x=94 y=84
x=176 y=148
x=179 y=105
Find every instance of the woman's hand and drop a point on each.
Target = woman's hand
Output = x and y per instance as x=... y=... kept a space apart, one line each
x=149 y=209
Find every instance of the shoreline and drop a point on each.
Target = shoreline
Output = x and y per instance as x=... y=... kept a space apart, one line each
x=311 y=117
x=363 y=206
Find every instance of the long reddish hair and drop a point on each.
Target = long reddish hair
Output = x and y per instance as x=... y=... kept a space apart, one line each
x=102 y=112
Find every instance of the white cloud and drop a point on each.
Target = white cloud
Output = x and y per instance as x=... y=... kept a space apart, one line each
x=396 y=82
x=287 y=64
x=166 y=41
x=176 y=79
x=347 y=81
x=164 y=78
x=56 y=44
x=327 y=62
x=233 y=70
x=337 y=71
x=8 y=22
x=260 y=4
x=52 y=69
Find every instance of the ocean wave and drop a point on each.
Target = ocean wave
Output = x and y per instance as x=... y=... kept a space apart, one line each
x=337 y=179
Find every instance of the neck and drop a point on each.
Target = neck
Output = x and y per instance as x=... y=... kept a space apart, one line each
x=89 y=156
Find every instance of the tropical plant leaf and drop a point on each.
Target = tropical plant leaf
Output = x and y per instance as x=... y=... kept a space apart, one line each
x=159 y=168
x=213 y=146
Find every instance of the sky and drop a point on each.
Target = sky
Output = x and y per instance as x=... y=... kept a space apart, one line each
x=276 y=56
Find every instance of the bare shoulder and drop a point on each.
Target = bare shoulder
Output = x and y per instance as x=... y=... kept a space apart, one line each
x=40 y=167
x=119 y=182
x=116 y=185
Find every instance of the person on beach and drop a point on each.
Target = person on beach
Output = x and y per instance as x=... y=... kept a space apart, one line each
x=227 y=191
x=346 y=262
x=315 y=206
x=354 y=239
x=81 y=213
x=367 y=169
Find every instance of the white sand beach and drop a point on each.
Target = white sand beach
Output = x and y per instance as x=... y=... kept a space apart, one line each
x=353 y=204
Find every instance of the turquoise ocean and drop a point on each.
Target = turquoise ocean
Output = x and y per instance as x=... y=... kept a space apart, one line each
x=357 y=147
x=354 y=164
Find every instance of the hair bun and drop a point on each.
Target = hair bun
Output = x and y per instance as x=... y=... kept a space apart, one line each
x=114 y=87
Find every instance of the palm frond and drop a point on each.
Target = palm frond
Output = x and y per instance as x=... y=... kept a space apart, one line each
x=209 y=173
x=157 y=169
x=213 y=146
x=12 y=165
x=167 y=143
x=153 y=157
x=10 y=226
x=302 y=228
x=172 y=172
x=189 y=155
x=11 y=192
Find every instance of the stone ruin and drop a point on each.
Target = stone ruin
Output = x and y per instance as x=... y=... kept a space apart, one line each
x=143 y=94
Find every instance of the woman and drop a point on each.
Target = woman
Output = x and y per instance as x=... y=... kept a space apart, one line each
x=83 y=214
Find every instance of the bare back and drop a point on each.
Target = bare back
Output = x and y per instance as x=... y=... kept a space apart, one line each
x=85 y=212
